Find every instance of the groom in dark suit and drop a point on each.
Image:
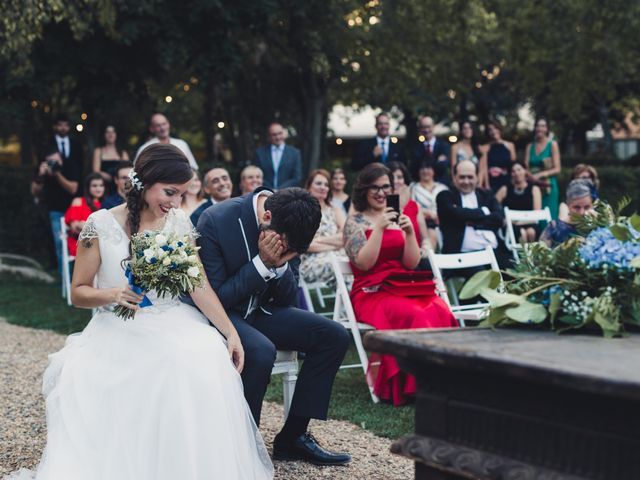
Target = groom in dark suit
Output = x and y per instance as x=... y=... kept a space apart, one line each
x=280 y=163
x=249 y=250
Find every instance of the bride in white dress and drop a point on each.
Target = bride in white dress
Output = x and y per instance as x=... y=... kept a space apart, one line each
x=156 y=397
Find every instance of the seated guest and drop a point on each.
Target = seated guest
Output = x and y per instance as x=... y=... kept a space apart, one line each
x=470 y=217
x=383 y=248
x=409 y=207
x=424 y=192
x=107 y=158
x=315 y=265
x=81 y=207
x=339 y=198
x=280 y=163
x=194 y=196
x=120 y=179
x=580 y=202
x=250 y=178
x=586 y=172
x=217 y=185
x=380 y=148
x=519 y=194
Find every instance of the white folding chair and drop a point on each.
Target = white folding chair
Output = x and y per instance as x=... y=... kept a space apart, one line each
x=528 y=216
x=343 y=313
x=451 y=261
x=307 y=288
x=66 y=260
x=287 y=364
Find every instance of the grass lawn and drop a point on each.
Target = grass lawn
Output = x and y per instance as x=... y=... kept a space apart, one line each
x=38 y=305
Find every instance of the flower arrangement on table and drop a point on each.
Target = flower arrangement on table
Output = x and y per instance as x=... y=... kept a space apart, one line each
x=166 y=263
x=592 y=279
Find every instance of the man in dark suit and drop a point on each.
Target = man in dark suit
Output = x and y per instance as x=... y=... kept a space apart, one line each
x=430 y=149
x=249 y=250
x=380 y=148
x=470 y=217
x=281 y=164
x=59 y=176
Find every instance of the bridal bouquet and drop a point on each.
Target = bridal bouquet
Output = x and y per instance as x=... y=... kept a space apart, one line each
x=166 y=263
x=592 y=279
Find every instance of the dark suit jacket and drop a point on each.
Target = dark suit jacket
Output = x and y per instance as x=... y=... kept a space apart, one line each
x=289 y=171
x=441 y=167
x=55 y=197
x=454 y=218
x=364 y=154
x=229 y=240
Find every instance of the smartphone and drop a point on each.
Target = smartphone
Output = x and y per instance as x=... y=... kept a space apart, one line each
x=393 y=201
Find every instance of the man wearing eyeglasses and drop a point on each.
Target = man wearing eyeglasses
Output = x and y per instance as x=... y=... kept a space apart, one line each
x=249 y=249
x=381 y=148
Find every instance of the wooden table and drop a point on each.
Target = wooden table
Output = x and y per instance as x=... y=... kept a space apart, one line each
x=520 y=404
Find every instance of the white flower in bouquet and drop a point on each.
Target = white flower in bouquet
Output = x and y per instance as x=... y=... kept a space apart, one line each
x=161 y=240
x=193 y=271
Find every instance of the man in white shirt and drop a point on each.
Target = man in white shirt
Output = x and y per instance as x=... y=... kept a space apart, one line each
x=381 y=148
x=470 y=217
x=160 y=128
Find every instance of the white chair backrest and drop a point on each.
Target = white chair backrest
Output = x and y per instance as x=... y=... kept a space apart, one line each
x=63 y=229
x=530 y=216
x=451 y=261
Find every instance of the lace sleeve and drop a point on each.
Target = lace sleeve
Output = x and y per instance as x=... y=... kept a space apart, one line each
x=89 y=231
x=181 y=224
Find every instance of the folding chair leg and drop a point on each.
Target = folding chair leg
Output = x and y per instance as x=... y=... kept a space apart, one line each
x=320 y=297
x=307 y=298
x=288 y=387
x=453 y=293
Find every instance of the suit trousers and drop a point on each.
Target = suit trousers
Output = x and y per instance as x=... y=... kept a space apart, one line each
x=323 y=341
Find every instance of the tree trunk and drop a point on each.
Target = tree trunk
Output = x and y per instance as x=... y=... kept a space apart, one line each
x=209 y=110
x=603 y=117
x=26 y=140
x=410 y=123
x=312 y=97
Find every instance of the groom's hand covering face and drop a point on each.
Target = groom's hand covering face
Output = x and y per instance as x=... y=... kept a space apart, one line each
x=273 y=248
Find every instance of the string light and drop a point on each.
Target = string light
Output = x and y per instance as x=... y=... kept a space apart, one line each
x=453 y=139
x=168 y=99
x=338 y=141
x=79 y=127
x=422 y=138
x=83 y=116
x=220 y=124
x=394 y=139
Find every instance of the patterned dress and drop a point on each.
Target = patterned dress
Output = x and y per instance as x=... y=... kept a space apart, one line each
x=316 y=267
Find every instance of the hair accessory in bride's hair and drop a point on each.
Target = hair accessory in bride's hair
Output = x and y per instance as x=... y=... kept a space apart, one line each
x=135 y=181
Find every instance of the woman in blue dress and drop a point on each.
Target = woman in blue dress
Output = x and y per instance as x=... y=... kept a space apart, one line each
x=542 y=158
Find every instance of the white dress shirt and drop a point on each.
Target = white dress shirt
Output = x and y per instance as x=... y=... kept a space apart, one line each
x=64 y=146
x=384 y=144
x=181 y=144
x=276 y=158
x=476 y=239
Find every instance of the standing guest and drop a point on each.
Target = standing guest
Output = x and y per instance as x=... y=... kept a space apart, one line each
x=160 y=128
x=382 y=246
x=424 y=192
x=408 y=206
x=109 y=156
x=542 y=157
x=217 y=184
x=315 y=265
x=59 y=176
x=470 y=217
x=431 y=150
x=194 y=196
x=121 y=177
x=380 y=148
x=580 y=202
x=251 y=177
x=81 y=207
x=280 y=163
x=339 y=198
x=521 y=194
x=500 y=154
x=467 y=148
x=249 y=251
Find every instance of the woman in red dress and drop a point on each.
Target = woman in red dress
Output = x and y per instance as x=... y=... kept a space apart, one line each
x=82 y=207
x=381 y=247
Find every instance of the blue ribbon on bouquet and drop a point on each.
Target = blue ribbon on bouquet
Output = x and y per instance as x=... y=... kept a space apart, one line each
x=132 y=283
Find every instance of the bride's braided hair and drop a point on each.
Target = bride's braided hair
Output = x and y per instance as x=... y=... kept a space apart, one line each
x=158 y=163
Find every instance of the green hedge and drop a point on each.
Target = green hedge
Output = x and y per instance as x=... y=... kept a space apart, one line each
x=24 y=226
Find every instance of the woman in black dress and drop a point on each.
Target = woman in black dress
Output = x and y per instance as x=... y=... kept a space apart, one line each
x=500 y=155
x=519 y=194
x=107 y=157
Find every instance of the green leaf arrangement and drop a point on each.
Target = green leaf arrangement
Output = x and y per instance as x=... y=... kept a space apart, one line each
x=590 y=281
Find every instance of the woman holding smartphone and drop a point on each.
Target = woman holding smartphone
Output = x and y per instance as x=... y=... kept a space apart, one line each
x=387 y=292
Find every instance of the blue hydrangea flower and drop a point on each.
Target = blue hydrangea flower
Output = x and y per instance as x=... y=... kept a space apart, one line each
x=602 y=249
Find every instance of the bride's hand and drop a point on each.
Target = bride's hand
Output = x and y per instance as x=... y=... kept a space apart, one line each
x=126 y=297
x=236 y=352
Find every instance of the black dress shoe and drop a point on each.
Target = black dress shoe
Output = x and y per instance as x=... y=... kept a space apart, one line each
x=306 y=448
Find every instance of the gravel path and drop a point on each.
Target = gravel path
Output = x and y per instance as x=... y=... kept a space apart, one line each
x=23 y=358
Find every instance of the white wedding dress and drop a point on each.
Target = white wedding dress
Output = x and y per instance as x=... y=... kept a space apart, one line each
x=151 y=398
